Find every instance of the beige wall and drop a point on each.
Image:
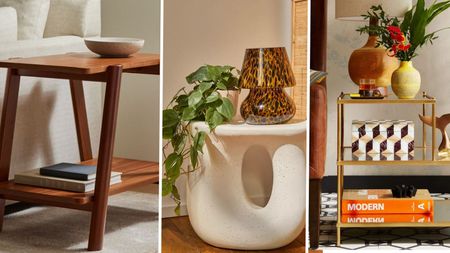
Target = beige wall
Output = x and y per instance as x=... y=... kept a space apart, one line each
x=432 y=62
x=138 y=124
x=197 y=32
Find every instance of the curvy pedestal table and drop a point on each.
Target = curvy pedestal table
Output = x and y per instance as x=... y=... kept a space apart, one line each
x=77 y=67
x=220 y=209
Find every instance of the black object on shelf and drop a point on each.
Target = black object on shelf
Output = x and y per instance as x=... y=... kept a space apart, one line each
x=404 y=191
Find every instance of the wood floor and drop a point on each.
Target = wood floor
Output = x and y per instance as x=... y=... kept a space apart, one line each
x=178 y=236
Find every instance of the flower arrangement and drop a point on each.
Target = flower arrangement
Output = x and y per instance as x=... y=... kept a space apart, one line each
x=403 y=39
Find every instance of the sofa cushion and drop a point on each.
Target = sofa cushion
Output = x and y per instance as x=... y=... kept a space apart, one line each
x=31 y=17
x=8 y=24
x=74 y=17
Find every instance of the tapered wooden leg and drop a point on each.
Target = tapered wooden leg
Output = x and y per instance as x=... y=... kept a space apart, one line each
x=98 y=218
x=7 y=129
x=81 y=121
x=314 y=212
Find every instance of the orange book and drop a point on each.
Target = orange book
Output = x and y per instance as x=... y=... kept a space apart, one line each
x=381 y=201
x=387 y=218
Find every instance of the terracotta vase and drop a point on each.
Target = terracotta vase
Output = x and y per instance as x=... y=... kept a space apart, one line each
x=406 y=81
x=371 y=62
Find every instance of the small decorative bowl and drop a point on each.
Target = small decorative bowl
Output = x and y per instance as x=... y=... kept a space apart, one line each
x=114 y=47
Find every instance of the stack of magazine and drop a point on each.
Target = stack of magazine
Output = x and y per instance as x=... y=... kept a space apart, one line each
x=64 y=176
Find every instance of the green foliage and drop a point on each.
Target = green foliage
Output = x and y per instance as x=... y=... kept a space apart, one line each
x=413 y=26
x=202 y=103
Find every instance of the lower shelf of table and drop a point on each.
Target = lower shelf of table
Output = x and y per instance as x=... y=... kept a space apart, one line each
x=394 y=225
x=134 y=173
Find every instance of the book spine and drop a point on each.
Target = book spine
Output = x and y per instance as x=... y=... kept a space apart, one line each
x=387 y=206
x=387 y=218
x=48 y=183
x=60 y=174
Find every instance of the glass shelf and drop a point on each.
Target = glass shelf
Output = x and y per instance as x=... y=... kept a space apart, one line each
x=344 y=98
x=422 y=156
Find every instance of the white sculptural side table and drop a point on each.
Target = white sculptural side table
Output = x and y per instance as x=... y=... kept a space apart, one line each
x=220 y=210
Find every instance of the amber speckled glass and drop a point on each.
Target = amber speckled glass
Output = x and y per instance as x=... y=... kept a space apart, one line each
x=267 y=72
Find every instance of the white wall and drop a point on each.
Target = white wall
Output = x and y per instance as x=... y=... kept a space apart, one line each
x=198 y=32
x=138 y=124
x=432 y=62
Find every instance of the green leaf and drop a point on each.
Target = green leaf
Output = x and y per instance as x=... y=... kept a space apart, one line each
x=170 y=118
x=214 y=119
x=221 y=86
x=175 y=193
x=214 y=96
x=200 y=75
x=193 y=152
x=194 y=98
x=168 y=132
x=182 y=100
x=200 y=141
x=166 y=187
x=178 y=142
x=172 y=166
x=226 y=109
x=204 y=86
x=188 y=114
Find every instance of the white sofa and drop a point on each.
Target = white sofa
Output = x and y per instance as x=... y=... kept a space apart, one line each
x=45 y=131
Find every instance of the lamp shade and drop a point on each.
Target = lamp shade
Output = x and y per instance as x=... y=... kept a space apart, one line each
x=266 y=68
x=353 y=9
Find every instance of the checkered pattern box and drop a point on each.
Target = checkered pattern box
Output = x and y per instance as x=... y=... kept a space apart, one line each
x=383 y=137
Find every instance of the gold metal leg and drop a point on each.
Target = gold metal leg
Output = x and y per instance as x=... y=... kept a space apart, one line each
x=338 y=236
x=424 y=132
x=339 y=133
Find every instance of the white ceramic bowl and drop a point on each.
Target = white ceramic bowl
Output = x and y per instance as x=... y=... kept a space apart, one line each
x=114 y=47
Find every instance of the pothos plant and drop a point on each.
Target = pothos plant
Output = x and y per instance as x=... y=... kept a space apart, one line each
x=202 y=102
x=402 y=39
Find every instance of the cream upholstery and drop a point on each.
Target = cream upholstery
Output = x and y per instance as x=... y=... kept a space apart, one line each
x=73 y=17
x=45 y=132
x=8 y=24
x=31 y=17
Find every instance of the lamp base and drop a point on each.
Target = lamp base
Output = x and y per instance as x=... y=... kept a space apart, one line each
x=267 y=106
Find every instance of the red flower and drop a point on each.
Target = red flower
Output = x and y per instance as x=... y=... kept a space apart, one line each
x=394 y=29
x=395 y=33
x=403 y=47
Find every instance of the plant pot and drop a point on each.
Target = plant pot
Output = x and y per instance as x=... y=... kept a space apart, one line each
x=406 y=81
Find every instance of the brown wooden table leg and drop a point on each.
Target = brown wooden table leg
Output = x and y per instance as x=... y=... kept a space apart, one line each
x=98 y=218
x=81 y=121
x=7 y=129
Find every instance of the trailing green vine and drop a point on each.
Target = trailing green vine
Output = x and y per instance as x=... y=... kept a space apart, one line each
x=202 y=103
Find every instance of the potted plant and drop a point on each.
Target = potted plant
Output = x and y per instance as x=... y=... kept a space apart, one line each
x=203 y=102
x=403 y=39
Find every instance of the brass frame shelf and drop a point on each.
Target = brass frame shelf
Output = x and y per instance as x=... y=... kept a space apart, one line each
x=427 y=155
x=394 y=225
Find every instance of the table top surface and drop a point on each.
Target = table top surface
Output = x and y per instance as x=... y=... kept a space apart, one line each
x=80 y=63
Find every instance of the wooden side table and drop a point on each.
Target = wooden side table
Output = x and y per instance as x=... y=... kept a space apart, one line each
x=77 y=67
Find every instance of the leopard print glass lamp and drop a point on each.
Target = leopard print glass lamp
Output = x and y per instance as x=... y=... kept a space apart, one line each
x=267 y=72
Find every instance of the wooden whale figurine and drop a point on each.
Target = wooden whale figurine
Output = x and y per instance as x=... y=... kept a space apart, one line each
x=441 y=124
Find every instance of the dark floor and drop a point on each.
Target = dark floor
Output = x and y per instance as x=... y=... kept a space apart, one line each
x=178 y=236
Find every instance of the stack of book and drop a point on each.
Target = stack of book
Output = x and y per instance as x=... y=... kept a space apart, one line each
x=64 y=176
x=379 y=206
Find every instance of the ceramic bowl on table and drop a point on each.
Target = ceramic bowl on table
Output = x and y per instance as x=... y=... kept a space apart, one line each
x=114 y=46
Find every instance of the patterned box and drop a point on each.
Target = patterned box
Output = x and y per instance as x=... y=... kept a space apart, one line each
x=383 y=137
